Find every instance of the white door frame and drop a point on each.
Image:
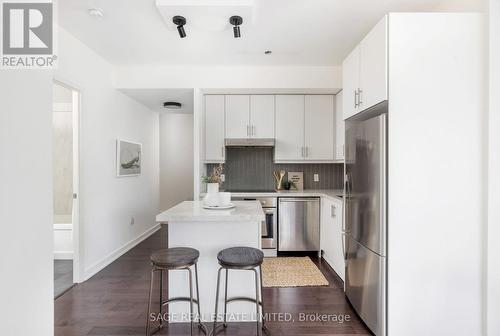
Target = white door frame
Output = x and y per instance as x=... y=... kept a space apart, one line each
x=78 y=275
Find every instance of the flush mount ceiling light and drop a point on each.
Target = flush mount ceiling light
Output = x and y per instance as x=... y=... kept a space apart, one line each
x=236 y=21
x=172 y=105
x=180 y=21
x=96 y=12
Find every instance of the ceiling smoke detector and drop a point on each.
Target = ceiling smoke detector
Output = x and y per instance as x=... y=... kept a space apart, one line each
x=172 y=105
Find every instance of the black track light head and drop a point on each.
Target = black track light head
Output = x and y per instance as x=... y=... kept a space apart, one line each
x=236 y=21
x=180 y=21
x=236 y=31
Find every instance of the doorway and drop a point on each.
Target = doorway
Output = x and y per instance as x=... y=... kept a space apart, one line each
x=65 y=123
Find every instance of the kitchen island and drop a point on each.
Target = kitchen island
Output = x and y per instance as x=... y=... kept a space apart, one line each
x=210 y=231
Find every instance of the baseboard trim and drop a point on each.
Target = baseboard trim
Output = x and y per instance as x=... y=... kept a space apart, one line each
x=63 y=255
x=98 y=266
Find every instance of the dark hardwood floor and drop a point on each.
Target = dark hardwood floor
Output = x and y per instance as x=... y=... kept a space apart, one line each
x=63 y=276
x=114 y=302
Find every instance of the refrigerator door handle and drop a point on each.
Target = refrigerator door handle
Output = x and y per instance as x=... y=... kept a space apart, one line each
x=346 y=203
x=344 y=254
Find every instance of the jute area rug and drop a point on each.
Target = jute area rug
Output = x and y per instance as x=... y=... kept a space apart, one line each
x=291 y=272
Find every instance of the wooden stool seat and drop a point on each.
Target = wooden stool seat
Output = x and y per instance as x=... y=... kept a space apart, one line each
x=241 y=256
x=175 y=257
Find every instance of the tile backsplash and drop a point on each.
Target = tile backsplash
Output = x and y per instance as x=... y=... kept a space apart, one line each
x=251 y=168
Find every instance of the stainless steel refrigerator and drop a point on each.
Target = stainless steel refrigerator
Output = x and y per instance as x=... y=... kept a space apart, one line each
x=365 y=228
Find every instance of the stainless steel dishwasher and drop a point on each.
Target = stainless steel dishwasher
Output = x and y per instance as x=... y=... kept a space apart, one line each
x=298 y=224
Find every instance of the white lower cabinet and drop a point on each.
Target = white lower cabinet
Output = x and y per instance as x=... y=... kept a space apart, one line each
x=331 y=239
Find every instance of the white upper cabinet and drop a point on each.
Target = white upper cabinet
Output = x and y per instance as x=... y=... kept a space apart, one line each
x=319 y=127
x=350 y=82
x=339 y=127
x=373 y=67
x=364 y=72
x=262 y=116
x=249 y=116
x=289 y=128
x=237 y=116
x=214 y=128
x=305 y=128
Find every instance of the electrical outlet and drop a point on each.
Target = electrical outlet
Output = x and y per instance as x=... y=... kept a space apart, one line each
x=223 y=177
x=132 y=221
x=316 y=177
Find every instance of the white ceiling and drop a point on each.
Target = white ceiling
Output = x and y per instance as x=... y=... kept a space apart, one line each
x=299 y=32
x=154 y=98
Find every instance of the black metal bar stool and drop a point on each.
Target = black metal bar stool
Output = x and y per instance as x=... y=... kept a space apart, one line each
x=176 y=258
x=240 y=258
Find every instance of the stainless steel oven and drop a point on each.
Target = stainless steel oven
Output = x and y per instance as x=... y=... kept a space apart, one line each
x=270 y=224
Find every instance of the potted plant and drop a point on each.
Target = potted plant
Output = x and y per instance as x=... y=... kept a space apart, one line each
x=214 y=180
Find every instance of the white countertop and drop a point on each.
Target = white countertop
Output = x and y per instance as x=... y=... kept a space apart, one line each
x=329 y=193
x=192 y=211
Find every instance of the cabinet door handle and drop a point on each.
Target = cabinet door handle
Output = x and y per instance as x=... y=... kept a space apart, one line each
x=356 y=98
x=302 y=150
x=360 y=101
x=333 y=211
x=248 y=130
x=253 y=130
x=307 y=151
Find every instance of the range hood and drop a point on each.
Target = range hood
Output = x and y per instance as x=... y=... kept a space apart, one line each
x=249 y=142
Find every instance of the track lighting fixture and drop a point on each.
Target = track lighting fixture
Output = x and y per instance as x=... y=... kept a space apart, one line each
x=236 y=21
x=180 y=21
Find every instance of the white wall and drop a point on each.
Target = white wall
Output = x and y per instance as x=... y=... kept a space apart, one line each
x=108 y=203
x=220 y=77
x=493 y=237
x=437 y=161
x=460 y=5
x=26 y=267
x=176 y=159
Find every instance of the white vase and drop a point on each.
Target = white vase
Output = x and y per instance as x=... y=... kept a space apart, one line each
x=212 y=196
x=212 y=188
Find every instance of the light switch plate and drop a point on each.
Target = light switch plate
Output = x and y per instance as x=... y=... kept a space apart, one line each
x=316 y=177
x=223 y=177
